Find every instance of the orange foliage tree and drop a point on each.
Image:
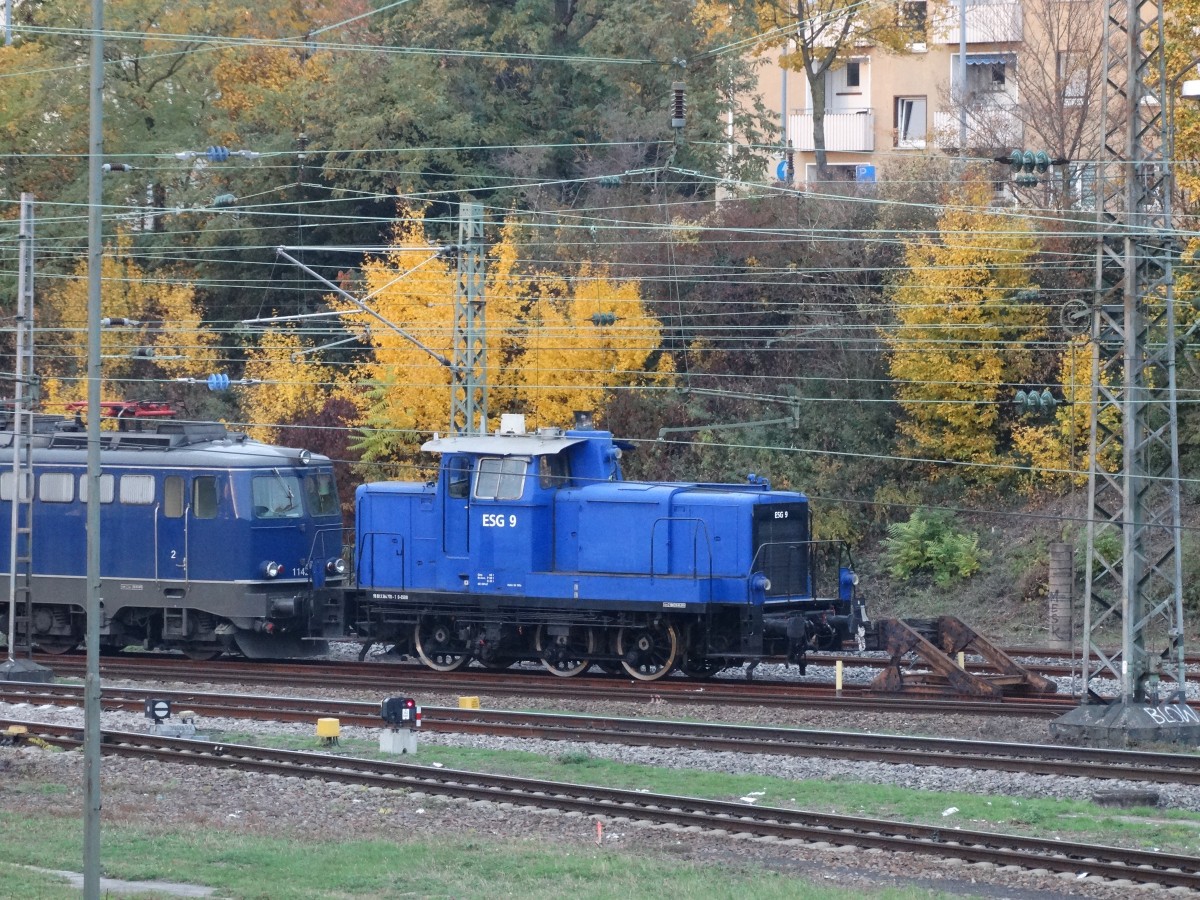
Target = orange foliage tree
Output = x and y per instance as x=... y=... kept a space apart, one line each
x=963 y=330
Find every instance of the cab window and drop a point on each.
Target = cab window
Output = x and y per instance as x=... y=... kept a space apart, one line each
x=458 y=476
x=501 y=478
x=321 y=494
x=276 y=496
x=553 y=471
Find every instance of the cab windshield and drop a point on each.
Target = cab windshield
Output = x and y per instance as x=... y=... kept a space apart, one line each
x=277 y=496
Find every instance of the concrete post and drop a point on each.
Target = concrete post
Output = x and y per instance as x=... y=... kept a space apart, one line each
x=1061 y=589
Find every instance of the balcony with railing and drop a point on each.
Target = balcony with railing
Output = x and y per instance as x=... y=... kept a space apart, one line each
x=991 y=126
x=851 y=132
x=988 y=22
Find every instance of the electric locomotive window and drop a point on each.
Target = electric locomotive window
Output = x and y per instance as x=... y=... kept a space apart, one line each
x=56 y=487
x=106 y=489
x=173 y=496
x=137 y=489
x=501 y=479
x=459 y=476
x=322 y=496
x=204 y=497
x=276 y=496
x=8 y=479
x=553 y=471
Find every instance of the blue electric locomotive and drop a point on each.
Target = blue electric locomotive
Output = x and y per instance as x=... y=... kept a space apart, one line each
x=209 y=540
x=531 y=546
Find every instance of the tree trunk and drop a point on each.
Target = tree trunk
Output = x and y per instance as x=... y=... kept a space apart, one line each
x=158 y=203
x=816 y=81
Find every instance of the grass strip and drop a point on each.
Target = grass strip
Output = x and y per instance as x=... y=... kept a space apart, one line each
x=248 y=867
x=1173 y=831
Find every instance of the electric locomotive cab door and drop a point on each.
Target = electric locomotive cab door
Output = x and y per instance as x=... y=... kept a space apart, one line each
x=171 y=531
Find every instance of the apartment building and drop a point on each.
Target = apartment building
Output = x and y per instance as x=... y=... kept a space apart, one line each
x=1032 y=68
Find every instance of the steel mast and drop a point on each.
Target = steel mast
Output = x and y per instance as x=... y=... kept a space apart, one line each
x=1134 y=559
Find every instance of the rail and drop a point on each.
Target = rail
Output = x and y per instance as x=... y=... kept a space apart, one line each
x=1140 y=866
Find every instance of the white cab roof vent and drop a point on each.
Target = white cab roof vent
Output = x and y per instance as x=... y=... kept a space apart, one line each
x=512 y=423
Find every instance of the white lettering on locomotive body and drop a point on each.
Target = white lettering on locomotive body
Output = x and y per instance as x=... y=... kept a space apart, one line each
x=499 y=520
x=781 y=513
x=672 y=605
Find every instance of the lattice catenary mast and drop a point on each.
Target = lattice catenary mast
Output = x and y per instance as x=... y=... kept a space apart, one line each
x=1134 y=560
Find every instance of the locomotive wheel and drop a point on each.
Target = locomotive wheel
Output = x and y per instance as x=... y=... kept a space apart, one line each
x=202 y=654
x=699 y=667
x=435 y=642
x=569 y=654
x=55 y=646
x=649 y=652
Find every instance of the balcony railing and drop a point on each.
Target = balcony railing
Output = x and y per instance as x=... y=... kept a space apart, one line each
x=989 y=127
x=849 y=131
x=987 y=23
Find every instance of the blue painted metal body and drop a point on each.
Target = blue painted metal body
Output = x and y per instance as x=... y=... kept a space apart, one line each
x=548 y=517
x=191 y=519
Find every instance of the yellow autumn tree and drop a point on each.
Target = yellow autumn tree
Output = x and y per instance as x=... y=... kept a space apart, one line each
x=262 y=84
x=290 y=384
x=1058 y=451
x=585 y=337
x=154 y=333
x=547 y=355
x=962 y=329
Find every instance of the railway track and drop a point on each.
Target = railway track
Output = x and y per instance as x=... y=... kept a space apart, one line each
x=1032 y=658
x=414 y=679
x=609 y=804
x=1034 y=759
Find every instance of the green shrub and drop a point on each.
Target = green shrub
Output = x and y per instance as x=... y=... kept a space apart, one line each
x=929 y=543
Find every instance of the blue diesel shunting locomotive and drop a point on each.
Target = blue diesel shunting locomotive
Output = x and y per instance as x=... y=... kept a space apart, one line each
x=531 y=546
x=210 y=541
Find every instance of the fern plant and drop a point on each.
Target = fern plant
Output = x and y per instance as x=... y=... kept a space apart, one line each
x=929 y=543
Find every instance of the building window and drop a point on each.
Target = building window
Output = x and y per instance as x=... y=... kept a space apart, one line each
x=910 y=123
x=851 y=78
x=1073 y=76
x=987 y=73
x=1081 y=184
x=911 y=17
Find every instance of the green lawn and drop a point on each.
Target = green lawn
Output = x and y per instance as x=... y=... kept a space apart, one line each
x=250 y=868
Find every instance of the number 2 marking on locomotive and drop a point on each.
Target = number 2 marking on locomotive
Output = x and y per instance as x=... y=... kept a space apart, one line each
x=497 y=520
